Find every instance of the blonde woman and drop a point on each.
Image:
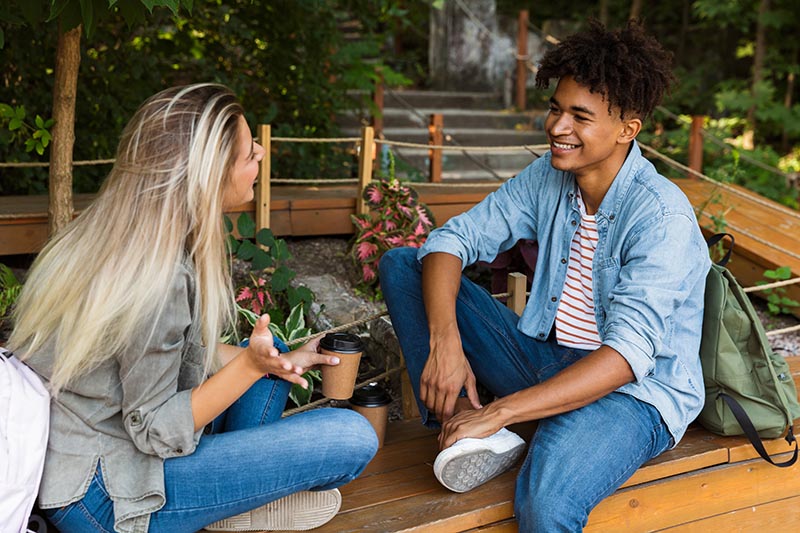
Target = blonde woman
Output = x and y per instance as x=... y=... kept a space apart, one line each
x=120 y=316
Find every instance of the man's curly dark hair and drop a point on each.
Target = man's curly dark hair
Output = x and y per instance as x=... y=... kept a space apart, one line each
x=627 y=66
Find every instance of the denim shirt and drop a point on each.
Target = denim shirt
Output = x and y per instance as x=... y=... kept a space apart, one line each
x=649 y=270
x=128 y=414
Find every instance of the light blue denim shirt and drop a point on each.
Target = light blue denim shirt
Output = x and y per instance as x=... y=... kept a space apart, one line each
x=649 y=270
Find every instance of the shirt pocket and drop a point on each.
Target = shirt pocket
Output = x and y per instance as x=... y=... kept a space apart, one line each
x=604 y=278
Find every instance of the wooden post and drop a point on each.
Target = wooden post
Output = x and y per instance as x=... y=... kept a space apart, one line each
x=522 y=55
x=696 y=144
x=435 y=138
x=517 y=288
x=377 y=99
x=263 y=192
x=365 y=167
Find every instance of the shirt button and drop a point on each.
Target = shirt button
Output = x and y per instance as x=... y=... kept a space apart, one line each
x=541 y=335
x=563 y=261
x=611 y=217
x=574 y=223
x=553 y=299
x=179 y=450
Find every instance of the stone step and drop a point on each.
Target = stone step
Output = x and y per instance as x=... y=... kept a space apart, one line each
x=452 y=117
x=510 y=161
x=436 y=99
x=462 y=136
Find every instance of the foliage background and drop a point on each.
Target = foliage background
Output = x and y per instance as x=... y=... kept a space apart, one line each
x=293 y=63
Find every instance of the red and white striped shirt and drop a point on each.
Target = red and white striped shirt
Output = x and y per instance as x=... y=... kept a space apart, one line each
x=576 y=325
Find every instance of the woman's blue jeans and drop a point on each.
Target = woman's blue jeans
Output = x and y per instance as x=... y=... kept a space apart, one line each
x=250 y=456
x=576 y=458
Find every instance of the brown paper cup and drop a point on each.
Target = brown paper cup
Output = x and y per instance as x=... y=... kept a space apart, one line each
x=338 y=381
x=378 y=417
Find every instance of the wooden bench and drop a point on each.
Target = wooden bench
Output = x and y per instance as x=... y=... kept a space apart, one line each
x=706 y=484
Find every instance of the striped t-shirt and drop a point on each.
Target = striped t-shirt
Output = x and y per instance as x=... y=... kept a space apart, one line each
x=576 y=325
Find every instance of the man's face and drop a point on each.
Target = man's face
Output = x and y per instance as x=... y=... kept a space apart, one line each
x=585 y=138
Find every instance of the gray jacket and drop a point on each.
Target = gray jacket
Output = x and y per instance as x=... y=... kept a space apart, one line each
x=128 y=415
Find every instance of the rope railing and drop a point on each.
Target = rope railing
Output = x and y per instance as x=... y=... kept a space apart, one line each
x=723 y=144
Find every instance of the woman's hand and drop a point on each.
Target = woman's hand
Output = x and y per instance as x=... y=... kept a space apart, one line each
x=266 y=359
x=307 y=357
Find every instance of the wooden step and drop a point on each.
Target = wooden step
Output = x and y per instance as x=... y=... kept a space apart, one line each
x=707 y=482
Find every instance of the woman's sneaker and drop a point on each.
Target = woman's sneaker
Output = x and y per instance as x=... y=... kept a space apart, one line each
x=296 y=512
x=471 y=462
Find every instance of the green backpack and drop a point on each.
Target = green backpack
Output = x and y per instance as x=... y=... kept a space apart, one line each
x=749 y=388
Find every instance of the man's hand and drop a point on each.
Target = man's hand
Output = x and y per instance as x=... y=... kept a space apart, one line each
x=446 y=372
x=473 y=423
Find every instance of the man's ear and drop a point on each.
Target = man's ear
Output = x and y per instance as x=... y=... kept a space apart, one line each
x=630 y=129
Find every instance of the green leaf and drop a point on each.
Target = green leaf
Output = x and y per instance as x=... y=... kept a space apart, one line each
x=246 y=225
x=783 y=272
x=39 y=121
x=261 y=259
x=39 y=148
x=233 y=244
x=246 y=251
x=6 y=111
x=19 y=112
x=265 y=237
x=228 y=224
x=281 y=278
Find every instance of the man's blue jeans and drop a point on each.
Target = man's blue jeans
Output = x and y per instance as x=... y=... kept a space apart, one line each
x=251 y=457
x=576 y=458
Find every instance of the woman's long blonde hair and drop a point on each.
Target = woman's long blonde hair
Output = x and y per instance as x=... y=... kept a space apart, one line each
x=105 y=277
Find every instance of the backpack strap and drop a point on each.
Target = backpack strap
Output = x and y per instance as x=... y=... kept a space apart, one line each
x=717 y=237
x=752 y=435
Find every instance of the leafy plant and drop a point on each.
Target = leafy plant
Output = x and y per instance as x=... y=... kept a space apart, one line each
x=777 y=301
x=36 y=136
x=294 y=327
x=9 y=290
x=397 y=219
x=267 y=255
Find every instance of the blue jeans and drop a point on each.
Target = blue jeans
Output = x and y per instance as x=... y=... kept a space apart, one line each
x=576 y=458
x=250 y=456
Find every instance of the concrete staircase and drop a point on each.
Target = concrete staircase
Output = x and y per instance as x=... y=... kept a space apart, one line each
x=470 y=119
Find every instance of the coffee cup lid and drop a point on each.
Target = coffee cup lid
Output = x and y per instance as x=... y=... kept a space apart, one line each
x=342 y=343
x=373 y=395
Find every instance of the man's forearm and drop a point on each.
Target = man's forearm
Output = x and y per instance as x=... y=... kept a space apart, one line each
x=441 y=279
x=598 y=374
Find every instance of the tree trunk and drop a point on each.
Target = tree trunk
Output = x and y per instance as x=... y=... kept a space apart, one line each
x=787 y=100
x=604 y=12
x=748 y=139
x=636 y=10
x=68 y=59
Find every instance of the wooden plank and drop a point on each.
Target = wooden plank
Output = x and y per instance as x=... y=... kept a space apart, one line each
x=437 y=511
x=693 y=496
x=772 y=516
x=506 y=526
x=262 y=203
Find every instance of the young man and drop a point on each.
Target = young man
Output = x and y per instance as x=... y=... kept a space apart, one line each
x=605 y=354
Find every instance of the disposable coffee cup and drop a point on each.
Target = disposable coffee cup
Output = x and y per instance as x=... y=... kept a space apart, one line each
x=338 y=380
x=372 y=402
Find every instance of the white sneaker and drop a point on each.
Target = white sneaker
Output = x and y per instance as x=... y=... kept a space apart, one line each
x=296 y=512
x=471 y=462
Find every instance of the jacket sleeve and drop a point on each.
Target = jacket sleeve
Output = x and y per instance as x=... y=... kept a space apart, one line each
x=662 y=267
x=493 y=225
x=156 y=415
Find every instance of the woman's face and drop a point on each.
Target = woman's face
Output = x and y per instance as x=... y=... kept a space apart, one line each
x=249 y=153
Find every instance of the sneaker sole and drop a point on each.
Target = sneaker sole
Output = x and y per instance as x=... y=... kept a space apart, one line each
x=300 y=511
x=467 y=469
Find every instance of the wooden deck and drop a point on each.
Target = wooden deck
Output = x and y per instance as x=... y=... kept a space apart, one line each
x=706 y=484
x=325 y=210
